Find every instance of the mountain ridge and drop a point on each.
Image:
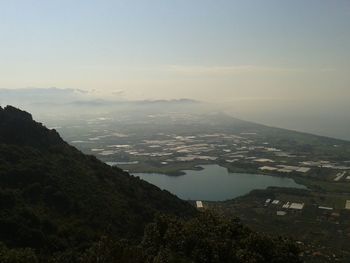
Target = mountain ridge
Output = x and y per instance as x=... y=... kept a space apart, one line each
x=54 y=184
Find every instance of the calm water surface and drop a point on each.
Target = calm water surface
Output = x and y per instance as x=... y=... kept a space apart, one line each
x=214 y=183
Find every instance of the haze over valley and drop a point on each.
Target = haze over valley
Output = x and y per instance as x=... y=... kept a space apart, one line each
x=325 y=117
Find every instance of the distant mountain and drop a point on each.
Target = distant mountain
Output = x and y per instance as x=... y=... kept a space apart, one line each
x=40 y=95
x=174 y=101
x=46 y=102
x=71 y=97
x=100 y=102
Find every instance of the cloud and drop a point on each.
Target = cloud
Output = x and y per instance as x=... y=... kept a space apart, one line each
x=106 y=93
x=210 y=70
x=233 y=70
x=118 y=92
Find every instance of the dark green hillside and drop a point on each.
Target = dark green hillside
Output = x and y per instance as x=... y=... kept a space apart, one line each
x=205 y=238
x=54 y=198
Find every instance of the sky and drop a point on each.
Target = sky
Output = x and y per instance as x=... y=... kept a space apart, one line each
x=251 y=56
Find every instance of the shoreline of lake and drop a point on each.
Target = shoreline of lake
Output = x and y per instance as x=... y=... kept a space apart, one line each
x=215 y=183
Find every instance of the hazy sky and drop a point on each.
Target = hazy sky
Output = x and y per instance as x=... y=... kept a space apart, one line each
x=205 y=49
x=252 y=56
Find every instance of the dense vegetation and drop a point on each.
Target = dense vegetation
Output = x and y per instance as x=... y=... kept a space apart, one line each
x=59 y=205
x=204 y=238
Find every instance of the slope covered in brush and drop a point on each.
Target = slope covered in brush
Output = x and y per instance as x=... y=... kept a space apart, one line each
x=54 y=198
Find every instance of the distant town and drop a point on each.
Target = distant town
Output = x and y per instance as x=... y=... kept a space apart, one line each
x=137 y=150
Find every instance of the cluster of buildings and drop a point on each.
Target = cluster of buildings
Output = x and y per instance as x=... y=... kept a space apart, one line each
x=165 y=148
x=285 y=169
x=209 y=147
x=283 y=207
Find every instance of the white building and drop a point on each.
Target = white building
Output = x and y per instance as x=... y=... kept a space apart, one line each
x=325 y=208
x=281 y=213
x=347 y=204
x=199 y=204
x=297 y=206
x=268 y=168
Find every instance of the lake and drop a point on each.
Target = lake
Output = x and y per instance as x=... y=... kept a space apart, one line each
x=215 y=183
